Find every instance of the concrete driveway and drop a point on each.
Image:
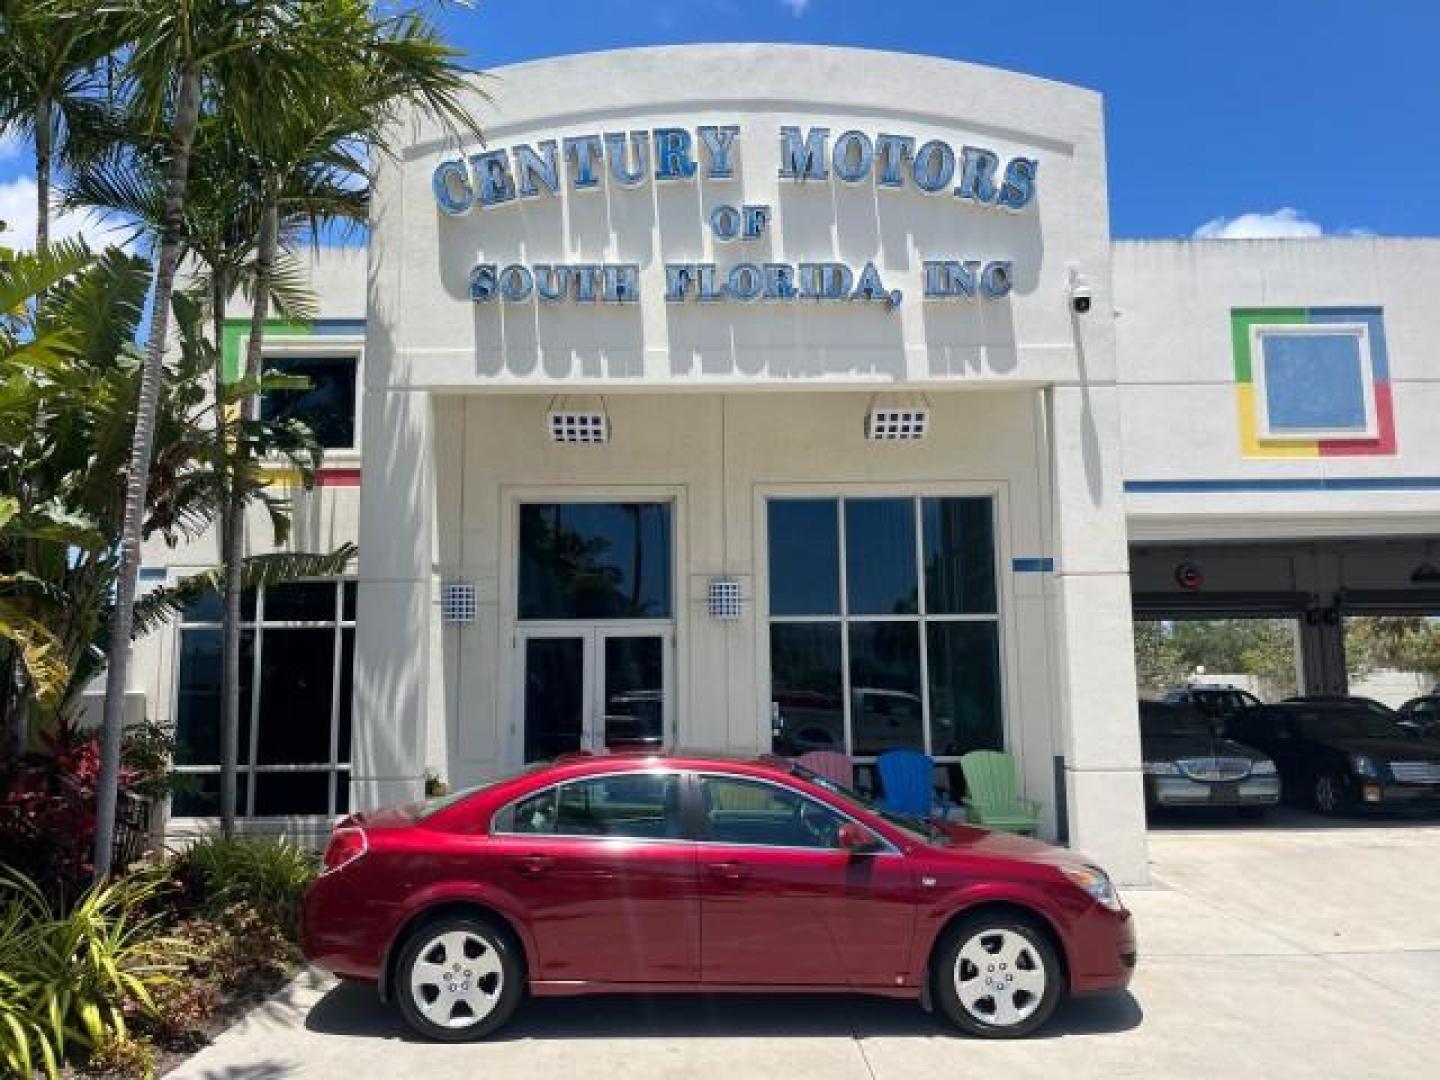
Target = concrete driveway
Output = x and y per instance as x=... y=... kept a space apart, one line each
x=1293 y=948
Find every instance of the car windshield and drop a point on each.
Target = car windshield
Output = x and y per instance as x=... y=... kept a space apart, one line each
x=919 y=828
x=1355 y=722
x=1218 y=701
x=1162 y=721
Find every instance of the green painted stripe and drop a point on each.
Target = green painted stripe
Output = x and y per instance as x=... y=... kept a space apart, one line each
x=236 y=330
x=1241 y=319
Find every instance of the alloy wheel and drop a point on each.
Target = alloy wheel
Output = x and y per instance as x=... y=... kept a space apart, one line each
x=456 y=979
x=1000 y=977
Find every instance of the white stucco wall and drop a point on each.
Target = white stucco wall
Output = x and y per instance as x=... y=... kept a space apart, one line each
x=423 y=690
x=1177 y=383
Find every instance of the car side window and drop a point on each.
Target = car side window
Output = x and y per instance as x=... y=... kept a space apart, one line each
x=640 y=806
x=741 y=811
x=535 y=814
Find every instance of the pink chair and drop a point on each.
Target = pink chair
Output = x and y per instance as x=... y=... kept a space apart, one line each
x=831 y=764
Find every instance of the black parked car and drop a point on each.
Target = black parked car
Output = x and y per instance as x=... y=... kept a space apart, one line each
x=1421 y=716
x=1338 y=754
x=1188 y=762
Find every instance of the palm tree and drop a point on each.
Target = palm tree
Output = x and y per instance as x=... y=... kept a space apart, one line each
x=300 y=150
x=252 y=62
x=50 y=69
x=172 y=54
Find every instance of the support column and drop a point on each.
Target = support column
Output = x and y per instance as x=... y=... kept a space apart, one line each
x=1091 y=611
x=392 y=637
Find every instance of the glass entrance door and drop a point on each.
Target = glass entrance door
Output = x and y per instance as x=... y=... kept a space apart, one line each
x=602 y=687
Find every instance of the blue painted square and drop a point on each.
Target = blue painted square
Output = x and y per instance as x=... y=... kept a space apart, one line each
x=1314 y=382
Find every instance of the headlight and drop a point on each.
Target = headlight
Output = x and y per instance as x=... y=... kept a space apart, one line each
x=1095 y=882
x=1363 y=765
x=1264 y=767
x=1162 y=768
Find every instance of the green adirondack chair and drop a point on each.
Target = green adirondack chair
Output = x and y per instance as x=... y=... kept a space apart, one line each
x=992 y=799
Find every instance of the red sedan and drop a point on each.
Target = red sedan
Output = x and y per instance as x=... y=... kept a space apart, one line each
x=685 y=873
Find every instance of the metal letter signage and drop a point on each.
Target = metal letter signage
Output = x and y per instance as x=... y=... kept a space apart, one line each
x=490 y=179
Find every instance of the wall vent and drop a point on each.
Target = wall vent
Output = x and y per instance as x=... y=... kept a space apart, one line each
x=906 y=424
x=725 y=601
x=457 y=602
x=579 y=428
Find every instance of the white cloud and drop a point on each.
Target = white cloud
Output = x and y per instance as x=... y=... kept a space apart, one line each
x=796 y=7
x=17 y=211
x=1285 y=223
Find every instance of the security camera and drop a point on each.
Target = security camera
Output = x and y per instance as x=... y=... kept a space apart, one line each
x=1080 y=292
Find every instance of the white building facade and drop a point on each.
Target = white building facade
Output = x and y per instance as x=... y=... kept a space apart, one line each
x=757 y=398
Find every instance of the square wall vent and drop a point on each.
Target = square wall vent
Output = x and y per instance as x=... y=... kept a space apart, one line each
x=725 y=601
x=897 y=425
x=579 y=428
x=457 y=602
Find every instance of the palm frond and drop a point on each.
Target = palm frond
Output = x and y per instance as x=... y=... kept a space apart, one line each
x=162 y=604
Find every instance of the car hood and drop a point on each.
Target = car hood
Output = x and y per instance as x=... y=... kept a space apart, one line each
x=972 y=840
x=1174 y=747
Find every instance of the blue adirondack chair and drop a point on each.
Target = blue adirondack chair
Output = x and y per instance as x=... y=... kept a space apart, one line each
x=907 y=782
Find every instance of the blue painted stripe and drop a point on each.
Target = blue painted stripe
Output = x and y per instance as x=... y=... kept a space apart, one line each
x=323 y=327
x=1318 y=483
x=1033 y=565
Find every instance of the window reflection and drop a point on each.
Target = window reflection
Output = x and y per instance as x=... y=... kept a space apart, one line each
x=595 y=561
x=886 y=710
x=880 y=557
x=903 y=614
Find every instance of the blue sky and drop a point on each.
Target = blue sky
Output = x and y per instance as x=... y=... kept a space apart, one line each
x=1266 y=117
x=1215 y=110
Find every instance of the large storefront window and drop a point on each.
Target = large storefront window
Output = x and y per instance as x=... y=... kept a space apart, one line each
x=884 y=626
x=298 y=648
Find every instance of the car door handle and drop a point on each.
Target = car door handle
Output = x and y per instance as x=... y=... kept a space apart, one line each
x=533 y=865
x=727 y=871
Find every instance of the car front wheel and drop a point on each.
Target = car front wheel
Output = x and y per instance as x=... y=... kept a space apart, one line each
x=997 y=976
x=458 y=979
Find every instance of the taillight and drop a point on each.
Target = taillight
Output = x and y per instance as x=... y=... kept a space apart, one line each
x=347 y=844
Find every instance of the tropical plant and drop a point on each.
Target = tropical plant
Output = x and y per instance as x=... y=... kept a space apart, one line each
x=68 y=378
x=269 y=875
x=73 y=976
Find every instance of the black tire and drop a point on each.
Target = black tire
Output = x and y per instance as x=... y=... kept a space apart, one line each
x=1327 y=793
x=483 y=945
x=1000 y=928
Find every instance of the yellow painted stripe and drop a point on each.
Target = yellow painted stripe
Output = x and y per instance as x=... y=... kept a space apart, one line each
x=1250 y=443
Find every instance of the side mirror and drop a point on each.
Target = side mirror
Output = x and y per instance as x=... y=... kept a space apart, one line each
x=856 y=839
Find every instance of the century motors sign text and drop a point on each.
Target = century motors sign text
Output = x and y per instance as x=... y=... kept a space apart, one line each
x=493 y=178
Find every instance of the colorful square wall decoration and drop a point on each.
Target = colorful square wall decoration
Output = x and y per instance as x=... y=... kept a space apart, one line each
x=1312 y=382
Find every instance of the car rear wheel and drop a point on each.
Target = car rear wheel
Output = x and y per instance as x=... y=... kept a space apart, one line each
x=997 y=976
x=458 y=979
x=1328 y=795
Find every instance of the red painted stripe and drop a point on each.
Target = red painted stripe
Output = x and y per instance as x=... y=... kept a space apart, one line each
x=1385 y=420
x=337 y=478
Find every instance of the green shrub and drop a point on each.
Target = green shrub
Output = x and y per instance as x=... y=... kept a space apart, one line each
x=268 y=875
x=74 y=976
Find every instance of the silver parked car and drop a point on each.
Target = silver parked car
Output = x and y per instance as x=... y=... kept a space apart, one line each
x=1189 y=762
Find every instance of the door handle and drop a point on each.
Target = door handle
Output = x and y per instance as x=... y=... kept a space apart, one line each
x=727 y=871
x=533 y=865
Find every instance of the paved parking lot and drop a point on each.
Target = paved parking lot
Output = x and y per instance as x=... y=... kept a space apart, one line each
x=1292 y=948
